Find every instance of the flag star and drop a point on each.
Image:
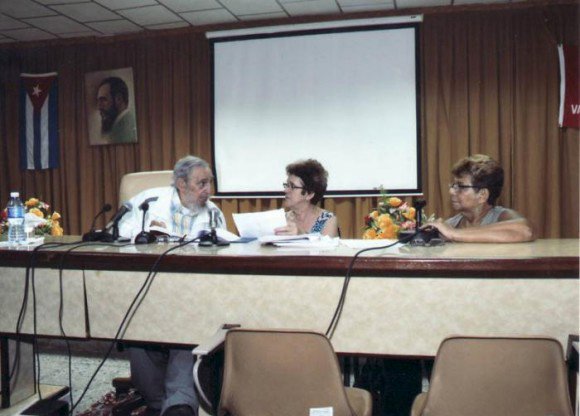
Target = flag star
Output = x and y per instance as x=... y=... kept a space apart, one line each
x=36 y=90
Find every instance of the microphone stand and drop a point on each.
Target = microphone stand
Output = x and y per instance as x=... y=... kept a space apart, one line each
x=144 y=237
x=97 y=235
x=212 y=239
x=115 y=231
x=428 y=236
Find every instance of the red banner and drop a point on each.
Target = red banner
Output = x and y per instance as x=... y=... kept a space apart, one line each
x=569 y=86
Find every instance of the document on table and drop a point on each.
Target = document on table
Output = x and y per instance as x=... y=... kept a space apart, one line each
x=312 y=241
x=275 y=239
x=258 y=224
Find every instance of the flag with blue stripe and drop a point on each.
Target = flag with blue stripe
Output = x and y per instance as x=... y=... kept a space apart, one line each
x=39 y=147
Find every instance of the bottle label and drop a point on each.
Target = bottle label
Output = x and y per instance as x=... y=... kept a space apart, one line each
x=16 y=212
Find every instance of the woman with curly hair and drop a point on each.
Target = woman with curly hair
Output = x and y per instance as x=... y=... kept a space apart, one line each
x=303 y=190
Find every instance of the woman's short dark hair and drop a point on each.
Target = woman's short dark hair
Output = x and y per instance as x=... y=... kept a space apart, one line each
x=485 y=173
x=313 y=176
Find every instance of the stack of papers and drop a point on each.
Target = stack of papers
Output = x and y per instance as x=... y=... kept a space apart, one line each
x=300 y=241
x=276 y=239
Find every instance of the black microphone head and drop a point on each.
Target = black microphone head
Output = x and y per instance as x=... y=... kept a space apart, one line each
x=419 y=203
x=144 y=206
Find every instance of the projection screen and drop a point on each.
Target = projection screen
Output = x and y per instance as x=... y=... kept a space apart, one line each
x=348 y=97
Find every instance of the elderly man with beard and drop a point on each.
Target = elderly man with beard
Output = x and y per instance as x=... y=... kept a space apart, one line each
x=164 y=376
x=117 y=121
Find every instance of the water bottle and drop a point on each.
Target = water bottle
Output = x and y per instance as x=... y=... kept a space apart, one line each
x=15 y=210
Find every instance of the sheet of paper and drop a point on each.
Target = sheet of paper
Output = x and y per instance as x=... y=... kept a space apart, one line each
x=258 y=224
x=322 y=243
x=321 y=411
x=272 y=238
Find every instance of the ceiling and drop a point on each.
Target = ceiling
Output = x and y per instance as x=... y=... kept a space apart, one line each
x=40 y=20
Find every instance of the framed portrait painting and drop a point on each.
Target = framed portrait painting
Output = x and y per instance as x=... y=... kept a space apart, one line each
x=110 y=103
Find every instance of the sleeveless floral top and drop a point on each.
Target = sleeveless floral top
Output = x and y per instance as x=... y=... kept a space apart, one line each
x=321 y=221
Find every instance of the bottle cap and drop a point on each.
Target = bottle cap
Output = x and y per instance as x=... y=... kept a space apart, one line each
x=14 y=194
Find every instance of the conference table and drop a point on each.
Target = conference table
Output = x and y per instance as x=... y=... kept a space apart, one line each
x=400 y=301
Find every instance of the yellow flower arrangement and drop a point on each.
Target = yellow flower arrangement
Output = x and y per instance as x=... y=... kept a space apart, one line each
x=38 y=215
x=390 y=218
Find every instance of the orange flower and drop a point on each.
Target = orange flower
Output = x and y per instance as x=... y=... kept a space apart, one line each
x=370 y=234
x=389 y=232
x=55 y=216
x=36 y=212
x=375 y=214
x=395 y=202
x=385 y=220
x=32 y=202
x=410 y=215
x=56 y=230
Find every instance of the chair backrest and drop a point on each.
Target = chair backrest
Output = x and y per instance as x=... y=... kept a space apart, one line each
x=498 y=376
x=282 y=373
x=133 y=183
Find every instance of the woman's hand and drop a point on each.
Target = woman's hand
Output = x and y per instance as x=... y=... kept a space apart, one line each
x=289 y=229
x=446 y=231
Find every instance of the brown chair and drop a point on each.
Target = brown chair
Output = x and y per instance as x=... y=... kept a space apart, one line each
x=285 y=373
x=131 y=185
x=496 y=376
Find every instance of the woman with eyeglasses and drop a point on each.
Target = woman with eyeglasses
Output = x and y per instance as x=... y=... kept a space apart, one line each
x=477 y=184
x=303 y=190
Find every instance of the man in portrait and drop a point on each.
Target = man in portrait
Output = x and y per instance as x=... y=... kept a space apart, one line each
x=118 y=123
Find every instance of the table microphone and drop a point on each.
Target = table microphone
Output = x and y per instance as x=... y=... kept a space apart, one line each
x=94 y=235
x=145 y=237
x=212 y=239
x=113 y=225
x=428 y=236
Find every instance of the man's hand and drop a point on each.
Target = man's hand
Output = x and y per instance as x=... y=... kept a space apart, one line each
x=157 y=224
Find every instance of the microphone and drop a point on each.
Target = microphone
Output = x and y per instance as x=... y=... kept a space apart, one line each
x=145 y=237
x=211 y=239
x=114 y=223
x=106 y=208
x=419 y=204
x=145 y=204
x=212 y=225
x=428 y=236
x=125 y=208
x=93 y=235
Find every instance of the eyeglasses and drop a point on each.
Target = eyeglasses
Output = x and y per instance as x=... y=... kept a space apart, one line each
x=459 y=187
x=290 y=185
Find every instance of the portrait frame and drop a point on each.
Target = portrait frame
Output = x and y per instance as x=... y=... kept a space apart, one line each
x=110 y=107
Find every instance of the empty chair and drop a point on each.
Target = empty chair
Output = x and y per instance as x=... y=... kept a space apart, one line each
x=497 y=376
x=285 y=373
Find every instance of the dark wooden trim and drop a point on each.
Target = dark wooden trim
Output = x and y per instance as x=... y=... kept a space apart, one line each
x=5 y=372
x=301 y=265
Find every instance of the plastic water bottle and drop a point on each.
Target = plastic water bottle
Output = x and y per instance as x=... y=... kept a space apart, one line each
x=15 y=210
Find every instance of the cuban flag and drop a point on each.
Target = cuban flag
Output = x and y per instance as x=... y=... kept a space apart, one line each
x=39 y=121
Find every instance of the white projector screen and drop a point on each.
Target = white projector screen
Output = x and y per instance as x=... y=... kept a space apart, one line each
x=347 y=97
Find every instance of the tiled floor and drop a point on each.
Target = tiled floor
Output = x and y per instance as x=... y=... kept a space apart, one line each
x=85 y=360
